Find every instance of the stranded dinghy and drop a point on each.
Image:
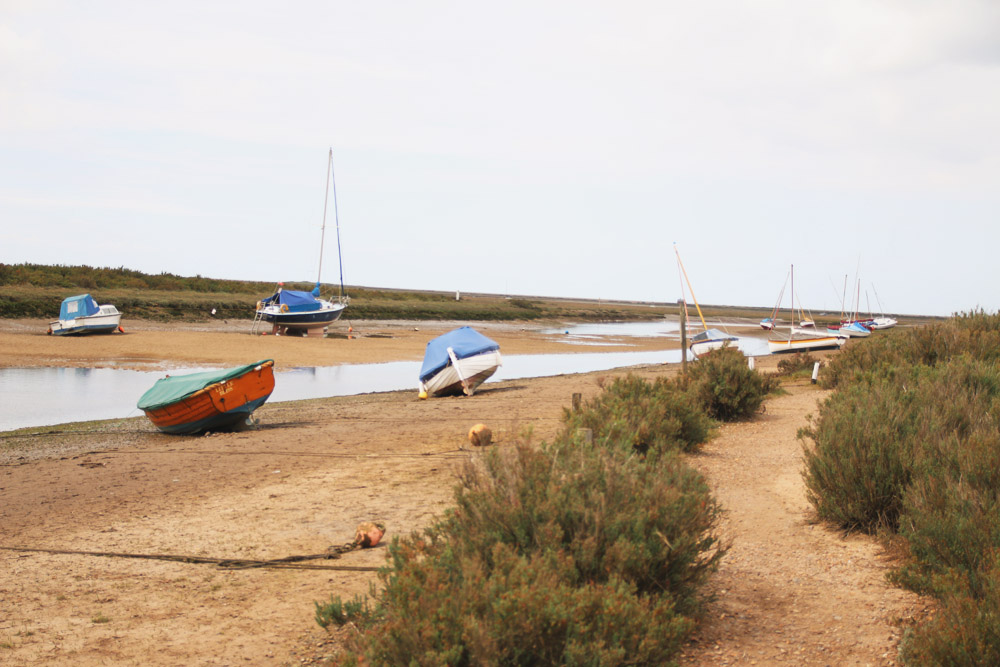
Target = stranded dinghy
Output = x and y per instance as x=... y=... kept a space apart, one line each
x=82 y=315
x=185 y=404
x=457 y=363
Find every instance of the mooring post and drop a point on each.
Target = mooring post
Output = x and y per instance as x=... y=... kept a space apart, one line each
x=750 y=363
x=577 y=399
x=684 y=339
x=815 y=372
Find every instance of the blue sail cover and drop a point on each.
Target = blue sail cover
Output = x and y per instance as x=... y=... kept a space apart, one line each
x=464 y=342
x=78 y=306
x=297 y=302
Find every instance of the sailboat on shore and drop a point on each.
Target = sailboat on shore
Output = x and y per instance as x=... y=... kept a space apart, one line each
x=709 y=339
x=799 y=339
x=300 y=312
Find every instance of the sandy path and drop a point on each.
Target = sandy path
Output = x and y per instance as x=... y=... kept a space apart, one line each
x=789 y=592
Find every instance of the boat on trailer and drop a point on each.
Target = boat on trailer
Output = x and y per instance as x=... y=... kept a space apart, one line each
x=458 y=362
x=82 y=314
x=212 y=400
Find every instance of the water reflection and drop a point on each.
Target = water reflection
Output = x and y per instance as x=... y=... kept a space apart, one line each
x=43 y=396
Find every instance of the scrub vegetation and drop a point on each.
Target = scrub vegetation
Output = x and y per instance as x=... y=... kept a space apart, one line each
x=590 y=549
x=36 y=290
x=908 y=446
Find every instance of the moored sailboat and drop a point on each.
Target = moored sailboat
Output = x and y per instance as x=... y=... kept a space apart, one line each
x=799 y=339
x=295 y=311
x=708 y=339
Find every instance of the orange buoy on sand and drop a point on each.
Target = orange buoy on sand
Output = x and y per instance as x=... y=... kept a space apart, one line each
x=480 y=435
x=368 y=534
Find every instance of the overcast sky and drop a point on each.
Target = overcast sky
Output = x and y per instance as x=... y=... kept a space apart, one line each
x=548 y=148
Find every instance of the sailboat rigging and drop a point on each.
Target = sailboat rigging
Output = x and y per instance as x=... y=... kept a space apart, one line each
x=799 y=339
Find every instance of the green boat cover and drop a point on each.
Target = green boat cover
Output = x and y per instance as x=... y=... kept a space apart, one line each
x=175 y=387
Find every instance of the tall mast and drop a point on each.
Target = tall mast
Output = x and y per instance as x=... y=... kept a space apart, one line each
x=336 y=219
x=326 y=198
x=690 y=289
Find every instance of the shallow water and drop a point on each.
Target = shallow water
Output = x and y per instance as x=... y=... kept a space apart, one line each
x=45 y=396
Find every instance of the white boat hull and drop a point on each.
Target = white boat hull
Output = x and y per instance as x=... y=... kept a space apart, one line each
x=106 y=320
x=701 y=347
x=883 y=323
x=799 y=343
x=464 y=378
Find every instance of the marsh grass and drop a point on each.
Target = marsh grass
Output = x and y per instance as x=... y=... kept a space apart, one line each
x=910 y=443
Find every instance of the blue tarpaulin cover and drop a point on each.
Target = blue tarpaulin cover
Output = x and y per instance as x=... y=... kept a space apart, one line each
x=78 y=306
x=464 y=342
x=297 y=302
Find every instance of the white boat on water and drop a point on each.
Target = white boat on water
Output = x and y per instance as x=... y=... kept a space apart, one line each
x=82 y=314
x=800 y=339
x=801 y=342
x=457 y=363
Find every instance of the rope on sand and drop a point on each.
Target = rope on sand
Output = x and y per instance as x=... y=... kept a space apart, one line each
x=368 y=535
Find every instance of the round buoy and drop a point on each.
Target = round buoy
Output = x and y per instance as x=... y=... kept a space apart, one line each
x=422 y=394
x=349 y=329
x=120 y=330
x=480 y=435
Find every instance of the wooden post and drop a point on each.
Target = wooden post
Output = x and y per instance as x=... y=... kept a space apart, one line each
x=588 y=435
x=577 y=399
x=684 y=339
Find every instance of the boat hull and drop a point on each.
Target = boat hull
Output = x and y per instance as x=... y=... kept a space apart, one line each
x=701 y=347
x=106 y=321
x=475 y=369
x=798 y=344
x=302 y=321
x=217 y=406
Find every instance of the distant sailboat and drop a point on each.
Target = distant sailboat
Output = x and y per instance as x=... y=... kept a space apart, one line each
x=797 y=339
x=293 y=311
x=709 y=339
x=768 y=323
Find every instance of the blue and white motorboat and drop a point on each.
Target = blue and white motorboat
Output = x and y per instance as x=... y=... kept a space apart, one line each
x=82 y=314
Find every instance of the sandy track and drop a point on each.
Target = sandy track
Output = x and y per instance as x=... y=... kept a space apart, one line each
x=790 y=592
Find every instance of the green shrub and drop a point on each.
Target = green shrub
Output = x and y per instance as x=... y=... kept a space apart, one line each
x=643 y=416
x=726 y=386
x=798 y=363
x=965 y=631
x=566 y=554
x=861 y=456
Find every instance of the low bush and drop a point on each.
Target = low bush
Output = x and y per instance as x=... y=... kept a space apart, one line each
x=798 y=363
x=964 y=631
x=565 y=554
x=643 y=416
x=725 y=385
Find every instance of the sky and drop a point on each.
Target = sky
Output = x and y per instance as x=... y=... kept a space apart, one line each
x=547 y=148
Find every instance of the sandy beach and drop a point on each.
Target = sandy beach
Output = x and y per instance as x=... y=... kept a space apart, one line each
x=790 y=591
